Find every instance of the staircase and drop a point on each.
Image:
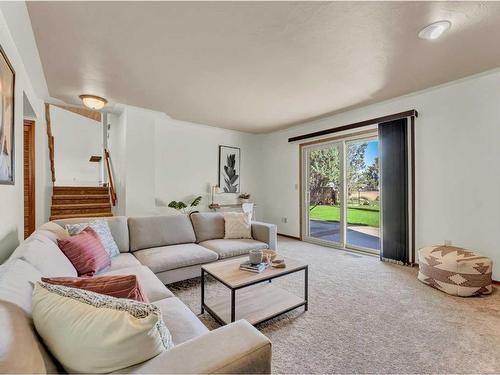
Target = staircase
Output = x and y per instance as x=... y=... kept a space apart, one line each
x=80 y=201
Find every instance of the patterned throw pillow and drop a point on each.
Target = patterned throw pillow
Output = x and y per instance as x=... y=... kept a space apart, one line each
x=101 y=227
x=237 y=225
x=85 y=252
x=119 y=286
x=92 y=333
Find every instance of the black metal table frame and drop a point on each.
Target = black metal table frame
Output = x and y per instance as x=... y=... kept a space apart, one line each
x=234 y=289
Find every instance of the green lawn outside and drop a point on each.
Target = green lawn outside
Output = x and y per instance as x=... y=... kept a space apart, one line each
x=356 y=215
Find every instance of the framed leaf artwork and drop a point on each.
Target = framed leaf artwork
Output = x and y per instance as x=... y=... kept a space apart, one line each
x=229 y=169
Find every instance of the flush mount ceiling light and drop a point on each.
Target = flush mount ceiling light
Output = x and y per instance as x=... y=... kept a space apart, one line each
x=93 y=102
x=434 y=30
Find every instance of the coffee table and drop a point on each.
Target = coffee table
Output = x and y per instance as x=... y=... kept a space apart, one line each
x=258 y=299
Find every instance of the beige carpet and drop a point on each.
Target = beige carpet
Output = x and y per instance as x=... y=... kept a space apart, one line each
x=366 y=316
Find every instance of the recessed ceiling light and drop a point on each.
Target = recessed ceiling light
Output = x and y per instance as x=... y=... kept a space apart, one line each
x=93 y=102
x=434 y=30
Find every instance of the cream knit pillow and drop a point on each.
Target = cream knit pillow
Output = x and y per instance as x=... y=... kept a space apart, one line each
x=237 y=225
x=92 y=333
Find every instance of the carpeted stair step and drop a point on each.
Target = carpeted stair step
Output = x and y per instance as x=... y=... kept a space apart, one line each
x=80 y=199
x=97 y=214
x=80 y=190
x=76 y=209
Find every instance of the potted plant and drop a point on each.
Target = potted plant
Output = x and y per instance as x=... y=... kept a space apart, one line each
x=184 y=207
x=244 y=197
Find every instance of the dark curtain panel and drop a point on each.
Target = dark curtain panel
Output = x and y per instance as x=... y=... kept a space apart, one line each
x=393 y=140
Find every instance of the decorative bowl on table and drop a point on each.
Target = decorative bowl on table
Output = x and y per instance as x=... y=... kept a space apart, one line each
x=269 y=255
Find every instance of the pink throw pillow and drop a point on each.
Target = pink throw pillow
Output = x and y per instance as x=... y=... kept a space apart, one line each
x=86 y=252
x=119 y=286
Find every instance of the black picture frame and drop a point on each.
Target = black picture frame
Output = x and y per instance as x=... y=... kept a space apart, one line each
x=10 y=113
x=229 y=184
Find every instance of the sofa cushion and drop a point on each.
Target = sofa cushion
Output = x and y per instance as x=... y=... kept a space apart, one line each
x=93 y=333
x=165 y=258
x=117 y=225
x=155 y=231
x=208 y=225
x=45 y=256
x=232 y=248
x=123 y=260
x=21 y=350
x=180 y=320
x=16 y=283
x=151 y=285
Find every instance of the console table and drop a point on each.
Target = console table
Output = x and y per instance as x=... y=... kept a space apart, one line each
x=217 y=206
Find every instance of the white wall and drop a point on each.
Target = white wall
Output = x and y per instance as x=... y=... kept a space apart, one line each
x=140 y=162
x=187 y=157
x=131 y=146
x=11 y=197
x=165 y=159
x=76 y=139
x=457 y=164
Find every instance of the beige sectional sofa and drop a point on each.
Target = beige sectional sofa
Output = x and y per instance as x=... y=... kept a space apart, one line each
x=159 y=250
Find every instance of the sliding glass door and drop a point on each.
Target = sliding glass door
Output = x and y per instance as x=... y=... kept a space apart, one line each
x=324 y=192
x=341 y=193
x=363 y=194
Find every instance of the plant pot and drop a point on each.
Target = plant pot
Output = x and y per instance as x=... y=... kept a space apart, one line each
x=242 y=200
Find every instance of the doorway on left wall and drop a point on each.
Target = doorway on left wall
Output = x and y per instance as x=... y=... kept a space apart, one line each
x=29 y=176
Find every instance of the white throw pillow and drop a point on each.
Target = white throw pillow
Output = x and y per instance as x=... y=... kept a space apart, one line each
x=52 y=231
x=237 y=225
x=93 y=333
x=101 y=227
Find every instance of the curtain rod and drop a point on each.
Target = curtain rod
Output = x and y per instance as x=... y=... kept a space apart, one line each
x=355 y=125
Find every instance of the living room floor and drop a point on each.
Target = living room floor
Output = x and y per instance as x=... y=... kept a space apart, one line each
x=367 y=316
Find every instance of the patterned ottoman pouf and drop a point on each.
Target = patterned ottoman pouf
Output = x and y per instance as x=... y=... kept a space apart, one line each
x=455 y=271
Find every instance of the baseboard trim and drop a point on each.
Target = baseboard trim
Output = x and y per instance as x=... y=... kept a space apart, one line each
x=288 y=236
x=496 y=282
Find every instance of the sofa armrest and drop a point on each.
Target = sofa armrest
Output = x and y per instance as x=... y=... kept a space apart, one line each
x=233 y=349
x=267 y=233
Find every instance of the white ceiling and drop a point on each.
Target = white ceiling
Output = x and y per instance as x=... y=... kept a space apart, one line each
x=257 y=66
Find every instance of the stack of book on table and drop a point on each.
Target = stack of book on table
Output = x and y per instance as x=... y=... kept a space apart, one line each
x=257 y=268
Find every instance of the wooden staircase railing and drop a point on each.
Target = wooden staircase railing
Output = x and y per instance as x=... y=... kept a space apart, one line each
x=112 y=191
x=50 y=140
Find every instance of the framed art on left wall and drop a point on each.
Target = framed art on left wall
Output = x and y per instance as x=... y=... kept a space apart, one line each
x=7 y=80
